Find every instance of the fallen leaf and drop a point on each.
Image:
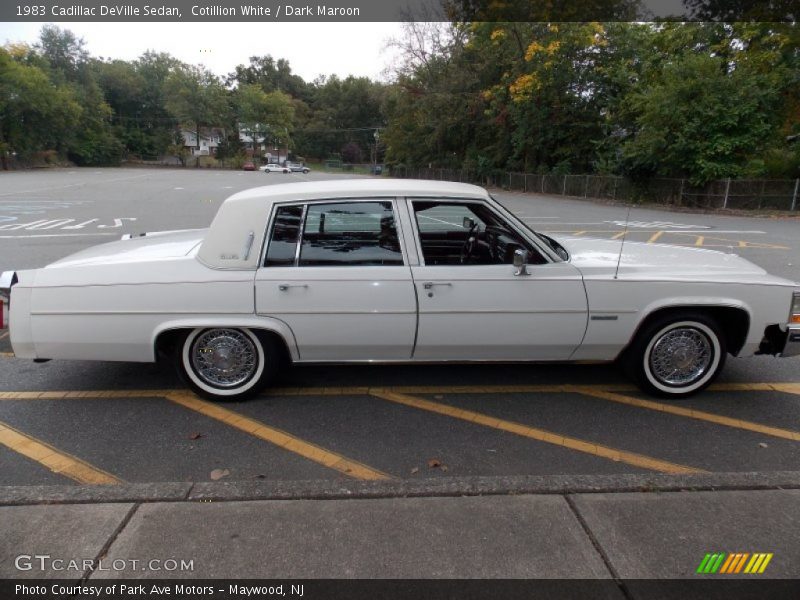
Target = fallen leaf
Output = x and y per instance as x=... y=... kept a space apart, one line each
x=219 y=474
x=443 y=467
x=433 y=463
x=195 y=436
x=762 y=444
x=415 y=470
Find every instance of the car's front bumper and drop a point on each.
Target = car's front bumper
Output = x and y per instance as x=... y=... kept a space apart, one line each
x=792 y=345
x=779 y=342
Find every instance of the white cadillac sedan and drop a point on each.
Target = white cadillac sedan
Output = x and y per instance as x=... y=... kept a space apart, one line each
x=395 y=271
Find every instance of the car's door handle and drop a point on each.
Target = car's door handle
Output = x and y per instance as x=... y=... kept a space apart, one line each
x=429 y=284
x=285 y=286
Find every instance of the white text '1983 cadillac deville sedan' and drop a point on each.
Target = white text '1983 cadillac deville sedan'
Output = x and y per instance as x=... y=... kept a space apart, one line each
x=395 y=271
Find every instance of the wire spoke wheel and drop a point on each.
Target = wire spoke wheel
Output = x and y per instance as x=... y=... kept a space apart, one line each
x=224 y=358
x=676 y=354
x=681 y=356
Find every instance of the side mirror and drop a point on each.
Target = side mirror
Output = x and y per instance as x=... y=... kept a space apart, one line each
x=521 y=262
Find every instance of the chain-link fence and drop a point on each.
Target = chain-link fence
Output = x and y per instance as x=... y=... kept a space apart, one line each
x=759 y=194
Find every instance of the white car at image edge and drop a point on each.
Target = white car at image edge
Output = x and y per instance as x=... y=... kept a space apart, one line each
x=395 y=271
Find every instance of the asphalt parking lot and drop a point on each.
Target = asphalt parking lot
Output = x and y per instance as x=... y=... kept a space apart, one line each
x=107 y=423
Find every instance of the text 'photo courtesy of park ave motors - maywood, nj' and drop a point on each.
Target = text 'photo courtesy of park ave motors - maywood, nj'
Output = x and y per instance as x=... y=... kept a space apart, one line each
x=211 y=10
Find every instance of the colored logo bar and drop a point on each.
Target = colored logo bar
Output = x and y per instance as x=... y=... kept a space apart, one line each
x=734 y=562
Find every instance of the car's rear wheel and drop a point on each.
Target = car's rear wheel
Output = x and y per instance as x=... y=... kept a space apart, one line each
x=676 y=355
x=226 y=363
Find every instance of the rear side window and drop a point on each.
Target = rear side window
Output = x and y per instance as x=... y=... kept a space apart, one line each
x=283 y=238
x=350 y=234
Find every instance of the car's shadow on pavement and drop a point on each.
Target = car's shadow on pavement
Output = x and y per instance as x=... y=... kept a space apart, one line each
x=91 y=375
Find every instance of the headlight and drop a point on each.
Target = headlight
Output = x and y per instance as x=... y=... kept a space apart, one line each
x=794 y=317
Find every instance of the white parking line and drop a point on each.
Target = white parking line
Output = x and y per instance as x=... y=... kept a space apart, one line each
x=61 y=187
x=51 y=235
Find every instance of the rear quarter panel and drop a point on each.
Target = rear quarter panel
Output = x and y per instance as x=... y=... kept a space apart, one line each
x=107 y=312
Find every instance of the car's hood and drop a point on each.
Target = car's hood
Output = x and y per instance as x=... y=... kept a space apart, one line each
x=644 y=261
x=152 y=246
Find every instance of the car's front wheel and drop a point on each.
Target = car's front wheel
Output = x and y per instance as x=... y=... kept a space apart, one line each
x=676 y=355
x=226 y=363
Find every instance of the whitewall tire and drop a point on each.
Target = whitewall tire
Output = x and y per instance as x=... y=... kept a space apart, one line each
x=677 y=355
x=225 y=363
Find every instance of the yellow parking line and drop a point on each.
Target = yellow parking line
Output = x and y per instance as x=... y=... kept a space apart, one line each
x=616 y=236
x=740 y=387
x=71 y=395
x=691 y=413
x=7 y=354
x=541 y=435
x=55 y=460
x=655 y=237
x=699 y=241
x=789 y=388
x=4 y=335
x=275 y=436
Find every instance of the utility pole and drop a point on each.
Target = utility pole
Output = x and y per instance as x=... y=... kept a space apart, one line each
x=377 y=137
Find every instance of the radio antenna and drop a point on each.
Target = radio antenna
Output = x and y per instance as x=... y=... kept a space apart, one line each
x=622 y=245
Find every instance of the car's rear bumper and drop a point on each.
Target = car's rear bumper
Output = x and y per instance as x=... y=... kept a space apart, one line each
x=7 y=280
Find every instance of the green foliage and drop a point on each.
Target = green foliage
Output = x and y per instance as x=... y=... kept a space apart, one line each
x=36 y=114
x=195 y=96
x=702 y=100
x=696 y=100
x=265 y=115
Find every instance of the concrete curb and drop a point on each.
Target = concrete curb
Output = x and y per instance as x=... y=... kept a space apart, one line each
x=15 y=495
x=442 y=487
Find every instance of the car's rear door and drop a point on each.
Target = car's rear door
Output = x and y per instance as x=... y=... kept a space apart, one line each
x=336 y=273
x=471 y=303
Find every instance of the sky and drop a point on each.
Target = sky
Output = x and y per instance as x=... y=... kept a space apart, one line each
x=312 y=49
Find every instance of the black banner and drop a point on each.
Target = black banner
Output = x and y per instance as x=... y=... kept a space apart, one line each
x=395 y=10
x=702 y=588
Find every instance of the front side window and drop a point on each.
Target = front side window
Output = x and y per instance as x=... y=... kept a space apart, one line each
x=350 y=233
x=467 y=233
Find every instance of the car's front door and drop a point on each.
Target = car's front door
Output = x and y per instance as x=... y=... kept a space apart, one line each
x=335 y=273
x=471 y=303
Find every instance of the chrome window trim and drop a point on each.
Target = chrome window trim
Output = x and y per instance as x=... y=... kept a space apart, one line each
x=343 y=200
x=491 y=205
x=268 y=233
x=300 y=236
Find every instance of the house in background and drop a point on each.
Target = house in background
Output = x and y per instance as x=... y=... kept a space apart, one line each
x=274 y=153
x=210 y=139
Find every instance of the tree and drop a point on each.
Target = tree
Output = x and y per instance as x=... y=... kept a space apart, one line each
x=270 y=116
x=35 y=114
x=271 y=76
x=195 y=95
x=711 y=98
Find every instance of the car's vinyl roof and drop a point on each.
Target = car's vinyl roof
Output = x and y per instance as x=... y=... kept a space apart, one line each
x=244 y=216
x=361 y=187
